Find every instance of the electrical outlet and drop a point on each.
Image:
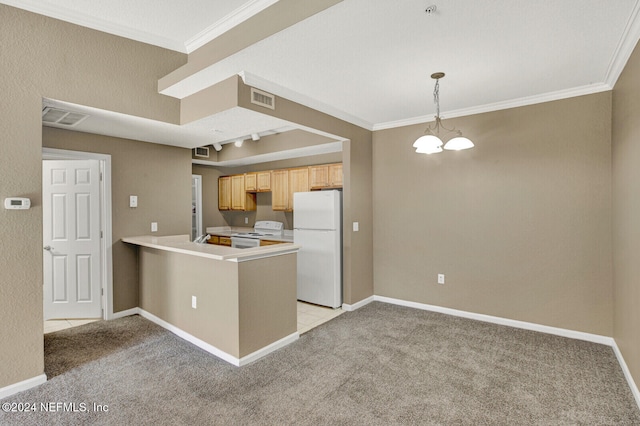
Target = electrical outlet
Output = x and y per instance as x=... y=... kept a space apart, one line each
x=154 y=226
x=133 y=201
x=246 y=220
x=194 y=302
x=440 y=278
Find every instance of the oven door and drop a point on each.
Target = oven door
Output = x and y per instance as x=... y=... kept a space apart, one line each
x=243 y=242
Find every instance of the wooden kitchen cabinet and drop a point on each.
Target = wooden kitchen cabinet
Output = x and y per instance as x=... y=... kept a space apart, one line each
x=318 y=176
x=269 y=242
x=224 y=193
x=298 y=182
x=241 y=199
x=224 y=241
x=279 y=190
x=325 y=176
x=335 y=175
x=214 y=240
x=251 y=182
x=232 y=194
x=257 y=182
x=264 y=181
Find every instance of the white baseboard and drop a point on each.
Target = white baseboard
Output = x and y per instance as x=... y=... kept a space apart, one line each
x=269 y=348
x=357 y=305
x=627 y=373
x=127 y=313
x=22 y=386
x=579 y=335
x=238 y=362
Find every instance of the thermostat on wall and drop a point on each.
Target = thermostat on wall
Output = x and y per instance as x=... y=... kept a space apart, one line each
x=17 y=203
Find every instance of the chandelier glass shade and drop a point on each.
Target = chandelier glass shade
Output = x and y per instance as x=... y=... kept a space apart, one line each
x=432 y=140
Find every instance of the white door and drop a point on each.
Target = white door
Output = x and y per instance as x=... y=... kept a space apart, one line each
x=71 y=239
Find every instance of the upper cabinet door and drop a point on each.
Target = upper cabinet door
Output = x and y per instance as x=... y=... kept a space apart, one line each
x=279 y=190
x=318 y=177
x=298 y=182
x=224 y=193
x=264 y=181
x=335 y=175
x=250 y=182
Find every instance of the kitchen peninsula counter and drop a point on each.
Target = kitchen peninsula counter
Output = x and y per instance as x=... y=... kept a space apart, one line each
x=182 y=244
x=238 y=304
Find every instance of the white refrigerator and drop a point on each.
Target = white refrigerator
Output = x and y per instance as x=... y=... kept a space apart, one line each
x=317 y=228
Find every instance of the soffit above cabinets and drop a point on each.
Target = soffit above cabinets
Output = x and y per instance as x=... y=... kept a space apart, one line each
x=224 y=127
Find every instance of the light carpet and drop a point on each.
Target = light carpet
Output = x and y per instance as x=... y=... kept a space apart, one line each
x=382 y=364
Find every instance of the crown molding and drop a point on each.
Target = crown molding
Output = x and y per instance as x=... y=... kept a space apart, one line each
x=625 y=47
x=223 y=25
x=276 y=89
x=497 y=106
x=83 y=20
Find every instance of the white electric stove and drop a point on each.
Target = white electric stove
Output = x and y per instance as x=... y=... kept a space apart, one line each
x=262 y=229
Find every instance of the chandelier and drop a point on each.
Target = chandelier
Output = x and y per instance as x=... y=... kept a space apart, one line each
x=431 y=141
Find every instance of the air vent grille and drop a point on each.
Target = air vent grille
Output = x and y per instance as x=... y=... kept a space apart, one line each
x=62 y=117
x=201 y=152
x=267 y=100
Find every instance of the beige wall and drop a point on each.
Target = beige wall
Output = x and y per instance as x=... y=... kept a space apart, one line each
x=520 y=225
x=159 y=175
x=43 y=57
x=626 y=213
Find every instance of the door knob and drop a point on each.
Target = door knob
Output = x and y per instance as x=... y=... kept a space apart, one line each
x=48 y=248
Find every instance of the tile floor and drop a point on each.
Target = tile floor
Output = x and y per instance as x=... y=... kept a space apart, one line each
x=57 y=325
x=309 y=316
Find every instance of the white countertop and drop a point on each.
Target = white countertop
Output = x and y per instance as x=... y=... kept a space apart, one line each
x=183 y=244
x=226 y=231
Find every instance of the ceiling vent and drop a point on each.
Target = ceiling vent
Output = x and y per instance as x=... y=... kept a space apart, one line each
x=264 y=99
x=202 y=151
x=62 y=117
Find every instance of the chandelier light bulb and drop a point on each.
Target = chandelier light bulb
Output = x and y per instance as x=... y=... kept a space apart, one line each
x=458 y=144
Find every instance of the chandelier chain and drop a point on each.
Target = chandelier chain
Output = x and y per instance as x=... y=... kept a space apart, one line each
x=436 y=97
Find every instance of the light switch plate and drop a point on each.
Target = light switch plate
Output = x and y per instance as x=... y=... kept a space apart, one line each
x=356 y=226
x=154 y=226
x=133 y=201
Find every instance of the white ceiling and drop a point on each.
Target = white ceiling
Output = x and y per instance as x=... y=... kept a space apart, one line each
x=369 y=61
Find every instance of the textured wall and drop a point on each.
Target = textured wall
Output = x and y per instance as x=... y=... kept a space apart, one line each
x=626 y=213
x=520 y=225
x=43 y=57
x=160 y=175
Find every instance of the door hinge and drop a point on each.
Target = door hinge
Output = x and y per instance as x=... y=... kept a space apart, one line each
x=100 y=234
x=102 y=291
x=101 y=176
